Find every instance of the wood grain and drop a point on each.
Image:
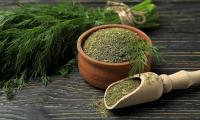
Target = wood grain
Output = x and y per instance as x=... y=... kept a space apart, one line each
x=69 y=98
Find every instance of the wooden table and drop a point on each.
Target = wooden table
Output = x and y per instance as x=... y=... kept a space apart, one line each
x=70 y=98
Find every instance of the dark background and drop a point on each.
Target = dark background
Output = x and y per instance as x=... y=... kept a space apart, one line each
x=69 y=98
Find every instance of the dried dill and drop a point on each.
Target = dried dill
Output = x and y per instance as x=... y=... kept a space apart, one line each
x=119 y=90
x=110 y=45
x=100 y=108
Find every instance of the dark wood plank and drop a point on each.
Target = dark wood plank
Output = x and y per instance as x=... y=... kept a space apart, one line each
x=69 y=98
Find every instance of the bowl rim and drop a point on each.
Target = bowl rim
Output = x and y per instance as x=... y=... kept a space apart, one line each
x=87 y=33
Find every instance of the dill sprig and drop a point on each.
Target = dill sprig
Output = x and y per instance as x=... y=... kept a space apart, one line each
x=139 y=52
x=36 y=40
x=67 y=68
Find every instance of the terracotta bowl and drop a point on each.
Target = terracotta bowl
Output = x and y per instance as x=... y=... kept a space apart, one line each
x=101 y=74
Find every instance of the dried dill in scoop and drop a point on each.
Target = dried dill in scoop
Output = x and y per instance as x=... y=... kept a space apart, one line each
x=116 y=92
x=110 y=45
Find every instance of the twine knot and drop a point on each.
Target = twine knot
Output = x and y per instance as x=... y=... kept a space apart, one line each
x=126 y=15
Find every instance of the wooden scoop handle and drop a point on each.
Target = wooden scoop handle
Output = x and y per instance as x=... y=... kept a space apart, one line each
x=180 y=80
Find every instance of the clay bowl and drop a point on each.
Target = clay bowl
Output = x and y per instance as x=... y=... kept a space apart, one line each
x=101 y=74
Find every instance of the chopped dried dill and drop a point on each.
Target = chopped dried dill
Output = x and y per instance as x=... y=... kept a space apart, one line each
x=100 y=108
x=121 y=89
x=110 y=45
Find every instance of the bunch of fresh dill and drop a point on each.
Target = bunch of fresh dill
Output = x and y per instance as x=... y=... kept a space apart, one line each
x=37 y=40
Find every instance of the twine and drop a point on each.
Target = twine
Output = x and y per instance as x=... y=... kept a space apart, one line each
x=126 y=15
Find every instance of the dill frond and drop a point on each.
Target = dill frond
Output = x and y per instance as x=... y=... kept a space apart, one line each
x=139 y=52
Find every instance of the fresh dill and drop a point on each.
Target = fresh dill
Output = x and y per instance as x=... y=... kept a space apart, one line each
x=140 y=51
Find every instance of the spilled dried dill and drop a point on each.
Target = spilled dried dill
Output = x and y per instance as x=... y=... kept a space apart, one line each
x=100 y=108
x=110 y=45
x=119 y=90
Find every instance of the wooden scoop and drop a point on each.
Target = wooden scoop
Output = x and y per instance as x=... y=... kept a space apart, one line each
x=152 y=87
